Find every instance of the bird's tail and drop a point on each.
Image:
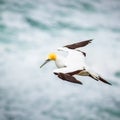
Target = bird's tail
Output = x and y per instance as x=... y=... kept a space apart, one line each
x=98 y=77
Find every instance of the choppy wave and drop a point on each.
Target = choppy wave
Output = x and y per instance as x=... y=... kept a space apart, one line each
x=29 y=30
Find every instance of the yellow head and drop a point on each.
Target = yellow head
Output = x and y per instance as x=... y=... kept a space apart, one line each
x=52 y=56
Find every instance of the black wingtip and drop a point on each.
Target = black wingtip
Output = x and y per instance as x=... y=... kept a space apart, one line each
x=90 y=40
x=101 y=79
x=80 y=83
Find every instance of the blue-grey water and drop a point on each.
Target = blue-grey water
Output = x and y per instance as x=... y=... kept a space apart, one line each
x=29 y=30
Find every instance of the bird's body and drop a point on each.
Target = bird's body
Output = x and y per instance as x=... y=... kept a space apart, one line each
x=73 y=63
x=60 y=62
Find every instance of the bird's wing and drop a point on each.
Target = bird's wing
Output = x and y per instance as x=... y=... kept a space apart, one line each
x=103 y=80
x=68 y=78
x=70 y=47
x=97 y=77
x=79 y=44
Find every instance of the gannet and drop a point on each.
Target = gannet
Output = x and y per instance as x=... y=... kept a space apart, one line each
x=73 y=63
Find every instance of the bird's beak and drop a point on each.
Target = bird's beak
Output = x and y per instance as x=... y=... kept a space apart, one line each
x=46 y=61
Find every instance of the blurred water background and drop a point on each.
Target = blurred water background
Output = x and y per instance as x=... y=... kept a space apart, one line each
x=29 y=30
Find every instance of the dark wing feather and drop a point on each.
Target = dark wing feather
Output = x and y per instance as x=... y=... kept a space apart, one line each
x=74 y=72
x=103 y=80
x=68 y=78
x=82 y=52
x=79 y=44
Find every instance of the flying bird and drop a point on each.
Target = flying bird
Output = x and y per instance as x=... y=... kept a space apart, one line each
x=73 y=63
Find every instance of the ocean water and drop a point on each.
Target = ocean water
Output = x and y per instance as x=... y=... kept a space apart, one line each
x=29 y=30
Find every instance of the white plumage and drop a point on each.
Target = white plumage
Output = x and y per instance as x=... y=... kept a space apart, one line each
x=72 y=64
x=73 y=61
